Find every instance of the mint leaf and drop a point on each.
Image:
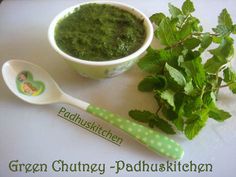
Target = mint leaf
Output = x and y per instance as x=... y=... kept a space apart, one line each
x=141 y=116
x=174 y=11
x=189 y=89
x=191 y=55
x=234 y=29
x=165 y=32
x=169 y=113
x=206 y=41
x=220 y=55
x=150 y=83
x=191 y=43
x=209 y=98
x=218 y=114
x=192 y=105
x=157 y=18
x=193 y=127
x=176 y=75
x=188 y=7
x=179 y=123
x=232 y=87
x=229 y=75
x=195 y=24
x=168 y=96
x=150 y=62
x=217 y=39
x=195 y=70
x=224 y=50
x=166 y=55
x=185 y=31
x=179 y=102
x=225 y=19
x=225 y=24
x=221 y=30
x=163 y=125
x=153 y=120
x=213 y=64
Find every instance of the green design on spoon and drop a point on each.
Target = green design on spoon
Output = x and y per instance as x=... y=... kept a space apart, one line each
x=26 y=84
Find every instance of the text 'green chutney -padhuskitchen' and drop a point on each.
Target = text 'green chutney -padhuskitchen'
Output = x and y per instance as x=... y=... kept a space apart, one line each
x=99 y=32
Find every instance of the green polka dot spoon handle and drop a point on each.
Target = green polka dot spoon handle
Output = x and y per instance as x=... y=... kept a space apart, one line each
x=157 y=142
x=42 y=89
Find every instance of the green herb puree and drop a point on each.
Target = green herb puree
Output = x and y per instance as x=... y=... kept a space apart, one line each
x=99 y=32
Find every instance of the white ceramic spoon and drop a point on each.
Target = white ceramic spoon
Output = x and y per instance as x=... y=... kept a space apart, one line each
x=34 y=85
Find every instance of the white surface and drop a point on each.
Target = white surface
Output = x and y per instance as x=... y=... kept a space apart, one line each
x=33 y=133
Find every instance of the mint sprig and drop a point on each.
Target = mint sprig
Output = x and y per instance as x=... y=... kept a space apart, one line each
x=184 y=86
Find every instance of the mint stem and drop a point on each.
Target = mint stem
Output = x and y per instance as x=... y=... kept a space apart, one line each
x=226 y=85
x=159 y=108
x=199 y=34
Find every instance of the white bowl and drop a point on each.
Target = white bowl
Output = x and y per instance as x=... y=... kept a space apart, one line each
x=102 y=69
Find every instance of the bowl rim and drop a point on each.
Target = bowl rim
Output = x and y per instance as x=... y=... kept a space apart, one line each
x=148 y=39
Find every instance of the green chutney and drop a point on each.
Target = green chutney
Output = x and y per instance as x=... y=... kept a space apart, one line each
x=99 y=32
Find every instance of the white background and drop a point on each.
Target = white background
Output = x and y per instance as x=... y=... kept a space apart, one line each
x=34 y=134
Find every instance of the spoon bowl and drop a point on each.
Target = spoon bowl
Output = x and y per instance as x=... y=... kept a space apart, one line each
x=34 y=85
x=12 y=68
